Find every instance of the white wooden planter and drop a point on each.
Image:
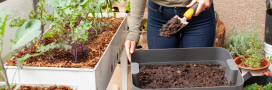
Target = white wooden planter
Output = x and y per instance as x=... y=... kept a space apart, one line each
x=74 y=87
x=11 y=72
x=86 y=79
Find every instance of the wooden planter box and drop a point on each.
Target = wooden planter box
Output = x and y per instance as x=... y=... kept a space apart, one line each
x=86 y=79
x=74 y=87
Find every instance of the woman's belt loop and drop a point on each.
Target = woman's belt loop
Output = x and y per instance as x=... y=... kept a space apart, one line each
x=160 y=9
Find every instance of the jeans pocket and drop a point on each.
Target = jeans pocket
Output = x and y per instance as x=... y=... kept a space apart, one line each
x=156 y=10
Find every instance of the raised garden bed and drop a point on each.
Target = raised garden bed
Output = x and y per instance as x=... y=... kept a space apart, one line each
x=182 y=76
x=95 y=63
x=31 y=86
x=194 y=57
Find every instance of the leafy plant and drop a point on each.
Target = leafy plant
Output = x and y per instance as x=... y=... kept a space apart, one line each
x=128 y=7
x=269 y=58
x=39 y=14
x=24 y=34
x=267 y=86
x=254 y=86
x=70 y=24
x=238 y=41
x=247 y=45
x=253 y=56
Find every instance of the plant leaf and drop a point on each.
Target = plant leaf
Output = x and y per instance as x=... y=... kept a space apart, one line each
x=68 y=11
x=17 y=86
x=43 y=48
x=28 y=56
x=3 y=20
x=53 y=3
x=26 y=33
x=4 y=86
x=47 y=34
x=98 y=5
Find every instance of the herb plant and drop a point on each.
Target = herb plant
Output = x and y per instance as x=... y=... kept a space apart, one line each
x=253 y=56
x=28 y=31
x=238 y=42
x=128 y=7
x=255 y=86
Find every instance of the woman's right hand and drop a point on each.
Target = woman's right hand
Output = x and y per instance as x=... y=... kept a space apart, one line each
x=130 y=47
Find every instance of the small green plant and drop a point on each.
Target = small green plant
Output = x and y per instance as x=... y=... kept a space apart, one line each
x=26 y=33
x=254 y=86
x=70 y=24
x=267 y=86
x=128 y=7
x=40 y=15
x=246 y=45
x=253 y=56
x=238 y=41
x=269 y=58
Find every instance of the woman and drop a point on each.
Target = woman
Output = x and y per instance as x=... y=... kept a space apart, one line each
x=200 y=32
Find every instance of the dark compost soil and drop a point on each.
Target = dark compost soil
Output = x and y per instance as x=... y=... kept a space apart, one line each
x=92 y=51
x=170 y=28
x=182 y=76
x=23 y=87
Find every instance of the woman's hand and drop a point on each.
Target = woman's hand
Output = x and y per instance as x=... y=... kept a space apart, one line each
x=202 y=5
x=130 y=47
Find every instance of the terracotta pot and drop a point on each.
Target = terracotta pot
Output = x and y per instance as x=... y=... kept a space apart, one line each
x=265 y=64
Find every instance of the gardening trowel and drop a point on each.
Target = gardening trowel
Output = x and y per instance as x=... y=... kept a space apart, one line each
x=187 y=15
x=170 y=28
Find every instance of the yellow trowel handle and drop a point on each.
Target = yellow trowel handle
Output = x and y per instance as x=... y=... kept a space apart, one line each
x=191 y=11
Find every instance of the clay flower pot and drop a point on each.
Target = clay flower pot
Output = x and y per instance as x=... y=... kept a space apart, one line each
x=265 y=64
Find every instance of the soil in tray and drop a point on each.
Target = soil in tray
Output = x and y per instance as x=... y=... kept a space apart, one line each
x=93 y=49
x=182 y=76
x=23 y=87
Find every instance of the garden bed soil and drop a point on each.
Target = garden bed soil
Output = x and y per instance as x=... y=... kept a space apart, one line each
x=23 y=87
x=170 y=28
x=182 y=76
x=92 y=51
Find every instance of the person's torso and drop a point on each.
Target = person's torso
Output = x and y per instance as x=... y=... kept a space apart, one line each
x=173 y=3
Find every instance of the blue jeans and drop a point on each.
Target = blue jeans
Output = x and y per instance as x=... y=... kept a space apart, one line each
x=200 y=32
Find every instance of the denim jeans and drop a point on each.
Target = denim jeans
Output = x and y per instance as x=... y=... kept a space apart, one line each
x=200 y=32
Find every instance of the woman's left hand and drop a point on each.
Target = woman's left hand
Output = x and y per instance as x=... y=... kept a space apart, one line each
x=202 y=5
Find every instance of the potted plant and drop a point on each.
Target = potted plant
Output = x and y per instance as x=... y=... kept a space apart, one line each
x=247 y=50
x=27 y=32
x=78 y=44
x=253 y=57
x=238 y=42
